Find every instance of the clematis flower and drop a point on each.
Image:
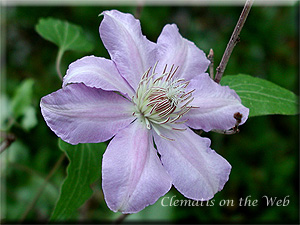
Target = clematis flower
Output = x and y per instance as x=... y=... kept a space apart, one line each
x=146 y=93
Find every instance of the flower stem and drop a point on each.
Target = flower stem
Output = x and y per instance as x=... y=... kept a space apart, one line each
x=58 y=60
x=120 y=219
x=40 y=191
x=233 y=40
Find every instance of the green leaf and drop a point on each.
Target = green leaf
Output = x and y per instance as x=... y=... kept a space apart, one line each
x=22 y=98
x=262 y=97
x=65 y=35
x=83 y=170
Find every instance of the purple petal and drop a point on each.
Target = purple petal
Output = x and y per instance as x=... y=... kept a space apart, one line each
x=174 y=49
x=80 y=114
x=97 y=72
x=132 y=174
x=217 y=105
x=197 y=171
x=129 y=49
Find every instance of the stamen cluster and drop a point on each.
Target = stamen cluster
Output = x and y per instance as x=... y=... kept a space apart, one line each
x=162 y=100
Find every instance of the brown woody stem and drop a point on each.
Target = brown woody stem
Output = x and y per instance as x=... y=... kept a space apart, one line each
x=8 y=139
x=233 y=40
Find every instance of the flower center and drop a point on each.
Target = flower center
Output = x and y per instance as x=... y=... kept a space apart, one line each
x=162 y=100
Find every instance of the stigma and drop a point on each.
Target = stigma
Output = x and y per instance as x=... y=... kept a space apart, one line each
x=161 y=99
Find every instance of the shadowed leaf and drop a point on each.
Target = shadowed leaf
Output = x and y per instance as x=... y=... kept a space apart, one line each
x=83 y=170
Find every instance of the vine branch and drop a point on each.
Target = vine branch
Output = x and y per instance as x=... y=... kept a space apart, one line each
x=40 y=191
x=8 y=139
x=234 y=39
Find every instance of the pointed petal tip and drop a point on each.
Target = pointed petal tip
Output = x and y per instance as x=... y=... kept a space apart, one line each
x=122 y=36
x=198 y=172
x=190 y=59
x=97 y=72
x=78 y=114
x=133 y=176
x=215 y=105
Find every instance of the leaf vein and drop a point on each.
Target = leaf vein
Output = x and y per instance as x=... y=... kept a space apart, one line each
x=266 y=95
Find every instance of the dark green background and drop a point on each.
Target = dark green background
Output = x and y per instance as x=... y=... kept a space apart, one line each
x=264 y=155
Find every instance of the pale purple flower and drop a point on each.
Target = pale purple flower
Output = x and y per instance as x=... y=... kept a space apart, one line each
x=148 y=92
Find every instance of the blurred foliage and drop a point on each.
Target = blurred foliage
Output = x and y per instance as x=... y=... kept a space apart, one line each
x=264 y=155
